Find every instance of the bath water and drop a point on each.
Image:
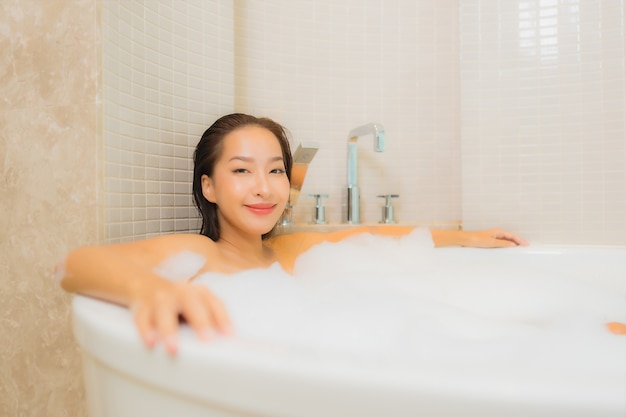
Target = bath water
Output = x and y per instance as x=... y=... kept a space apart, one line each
x=400 y=301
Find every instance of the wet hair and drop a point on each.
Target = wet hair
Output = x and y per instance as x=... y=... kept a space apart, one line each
x=209 y=151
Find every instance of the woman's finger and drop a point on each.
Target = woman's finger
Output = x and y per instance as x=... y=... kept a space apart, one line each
x=196 y=312
x=616 y=328
x=157 y=317
x=504 y=242
x=510 y=237
x=145 y=324
x=219 y=314
x=166 y=321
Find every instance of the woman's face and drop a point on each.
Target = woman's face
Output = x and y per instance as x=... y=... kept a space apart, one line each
x=249 y=183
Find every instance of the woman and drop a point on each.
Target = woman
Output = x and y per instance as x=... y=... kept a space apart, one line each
x=240 y=186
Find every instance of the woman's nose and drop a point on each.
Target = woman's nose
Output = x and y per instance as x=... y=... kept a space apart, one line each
x=261 y=184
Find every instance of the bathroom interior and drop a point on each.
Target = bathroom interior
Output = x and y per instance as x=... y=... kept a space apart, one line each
x=496 y=113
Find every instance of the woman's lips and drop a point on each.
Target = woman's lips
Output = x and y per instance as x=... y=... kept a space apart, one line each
x=261 y=208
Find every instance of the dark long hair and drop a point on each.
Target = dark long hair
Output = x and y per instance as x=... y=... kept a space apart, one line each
x=208 y=152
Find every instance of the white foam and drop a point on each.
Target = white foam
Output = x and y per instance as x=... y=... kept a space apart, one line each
x=401 y=300
x=180 y=266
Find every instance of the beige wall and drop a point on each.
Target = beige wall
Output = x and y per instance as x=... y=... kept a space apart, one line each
x=50 y=194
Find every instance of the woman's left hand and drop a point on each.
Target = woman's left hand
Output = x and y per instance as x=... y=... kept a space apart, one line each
x=492 y=238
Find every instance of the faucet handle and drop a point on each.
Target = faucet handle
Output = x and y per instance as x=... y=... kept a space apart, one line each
x=387 y=212
x=388 y=197
x=320 y=211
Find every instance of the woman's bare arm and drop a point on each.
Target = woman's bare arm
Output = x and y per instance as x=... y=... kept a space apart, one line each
x=289 y=246
x=491 y=238
x=125 y=274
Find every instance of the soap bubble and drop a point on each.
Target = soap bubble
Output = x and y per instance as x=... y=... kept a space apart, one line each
x=399 y=301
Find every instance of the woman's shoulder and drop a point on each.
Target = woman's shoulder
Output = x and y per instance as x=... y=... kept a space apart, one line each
x=289 y=238
x=306 y=240
x=170 y=243
x=194 y=238
x=189 y=241
x=295 y=243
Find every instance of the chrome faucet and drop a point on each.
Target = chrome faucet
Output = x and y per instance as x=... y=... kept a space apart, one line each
x=377 y=130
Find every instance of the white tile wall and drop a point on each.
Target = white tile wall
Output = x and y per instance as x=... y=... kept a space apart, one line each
x=168 y=72
x=498 y=112
x=507 y=113
x=325 y=67
x=543 y=118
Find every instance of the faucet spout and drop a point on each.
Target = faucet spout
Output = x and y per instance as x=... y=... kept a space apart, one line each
x=302 y=157
x=376 y=129
x=378 y=132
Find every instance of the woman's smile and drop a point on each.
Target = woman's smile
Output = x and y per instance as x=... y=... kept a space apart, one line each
x=261 y=208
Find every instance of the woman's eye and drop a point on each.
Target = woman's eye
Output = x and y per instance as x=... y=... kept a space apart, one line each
x=278 y=171
x=240 y=170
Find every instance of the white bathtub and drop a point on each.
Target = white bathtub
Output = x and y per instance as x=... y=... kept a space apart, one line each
x=233 y=377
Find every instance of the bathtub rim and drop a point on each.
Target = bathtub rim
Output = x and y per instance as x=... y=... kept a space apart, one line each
x=229 y=360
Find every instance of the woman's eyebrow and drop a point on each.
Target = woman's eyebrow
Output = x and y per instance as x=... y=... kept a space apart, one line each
x=251 y=159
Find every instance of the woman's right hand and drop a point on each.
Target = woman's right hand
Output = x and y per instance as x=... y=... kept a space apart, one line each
x=157 y=310
x=125 y=274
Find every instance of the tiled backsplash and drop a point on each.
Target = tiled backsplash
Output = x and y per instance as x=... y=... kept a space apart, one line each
x=167 y=73
x=323 y=68
x=496 y=112
x=544 y=112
